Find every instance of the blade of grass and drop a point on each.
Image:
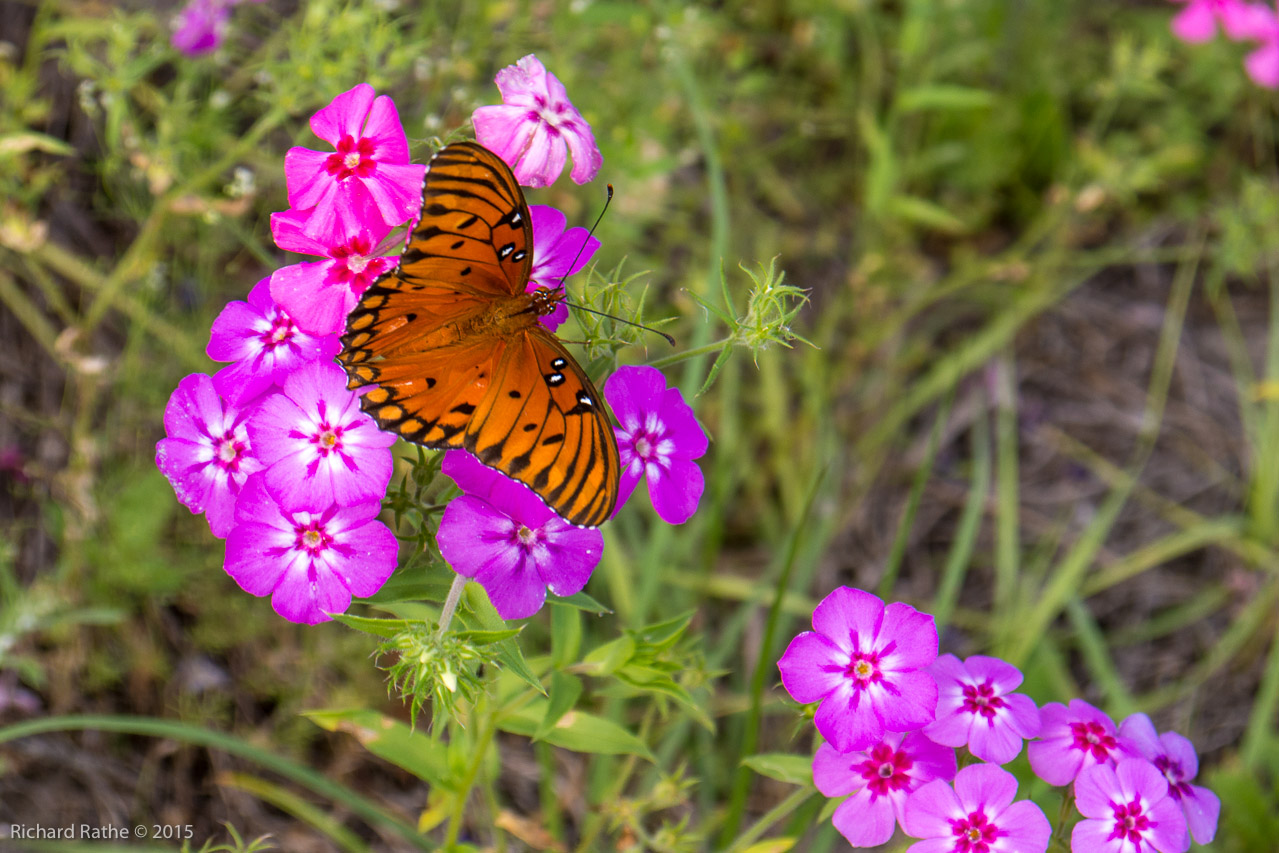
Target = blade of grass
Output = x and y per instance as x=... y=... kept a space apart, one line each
x=1007 y=492
x=291 y=804
x=1096 y=654
x=961 y=551
x=1261 y=721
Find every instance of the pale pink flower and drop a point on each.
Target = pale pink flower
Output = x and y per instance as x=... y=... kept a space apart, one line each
x=976 y=707
x=1174 y=756
x=536 y=126
x=1128 y=811
x=1198 y=21
x=978 y=815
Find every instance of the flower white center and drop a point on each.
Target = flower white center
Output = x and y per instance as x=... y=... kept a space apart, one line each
x=311 y=538
x=886 y=770
x=279 y=334
x=527 y=537
x=328 y=439
x=226 y=450
x=351 y=160
x=357 y=263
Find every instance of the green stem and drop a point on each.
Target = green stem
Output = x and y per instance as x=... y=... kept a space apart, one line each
x=772 y=816
x=481 y=747
x=685 y=355
x=450 y=603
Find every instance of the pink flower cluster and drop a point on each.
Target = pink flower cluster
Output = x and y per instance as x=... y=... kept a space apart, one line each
x=274 y=449
x=893 y=713
x=1239 y=21
x=202 y=25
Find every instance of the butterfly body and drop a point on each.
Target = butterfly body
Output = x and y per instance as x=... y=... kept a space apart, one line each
x=451 y=340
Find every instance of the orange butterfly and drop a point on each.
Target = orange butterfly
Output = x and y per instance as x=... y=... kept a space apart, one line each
x=452 y=342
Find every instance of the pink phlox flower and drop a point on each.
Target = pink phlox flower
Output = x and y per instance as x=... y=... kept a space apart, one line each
x=207 y=455
x=1128 y=811
x=1260 y=23
x=1072 y=740
x=557 y=254
x=369 y=170
x=201 y=26
x=264 y=343
x=535 y=127
x=978 y=815
x=317 y=446
x=867 y=665
x=658 y=439
x=1174 y=756
x=319 y=294
x=1198 y=21
x=880 y=779
x=501 y=534
x=977 y=708
x=310 y=562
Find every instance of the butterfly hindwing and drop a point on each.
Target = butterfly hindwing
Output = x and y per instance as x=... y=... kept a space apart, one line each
x=544 y=423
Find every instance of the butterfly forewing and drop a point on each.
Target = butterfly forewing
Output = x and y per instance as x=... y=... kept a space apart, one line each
x=451 y=341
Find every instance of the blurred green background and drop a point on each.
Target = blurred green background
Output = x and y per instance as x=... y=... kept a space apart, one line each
x=1040 y=242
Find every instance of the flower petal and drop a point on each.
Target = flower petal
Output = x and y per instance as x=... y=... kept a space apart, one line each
x=811 y=667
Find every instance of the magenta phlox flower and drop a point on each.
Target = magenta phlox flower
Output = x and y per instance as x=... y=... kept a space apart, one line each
x=1072 y=740
x=207 y=455
x=310 y=562
x=264 y=343
x=880 y=779
x=201 y=26
x=557 y=254
x=369 y=170
x=1128 y=811
x=867 y=665
x=1261 y=24
x=658 y=439
x=536 y=126
x=1198 y=21
x=503 y=536
x=1175 y=757
x=316 y=444
x=319 y=294
x=976 y=707
x=977 y=815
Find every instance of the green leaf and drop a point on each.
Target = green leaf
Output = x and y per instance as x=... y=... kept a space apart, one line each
x=385 y=628
x=566 y=636
x=391 y=740
x=610 y=657
x=944 y=97
x=485 y=638
x=919 y=211
x=771 y=845
x=482 y=611
x=566 y=689
x=784 y=767
x=576 y=730
x=579 y=600
x=19 y=143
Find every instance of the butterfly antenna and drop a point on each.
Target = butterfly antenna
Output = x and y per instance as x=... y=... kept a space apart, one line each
x=586 y=242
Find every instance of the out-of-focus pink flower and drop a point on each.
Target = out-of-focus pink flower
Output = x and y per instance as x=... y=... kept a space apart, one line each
x=319 y=294
x=1072 y=740
x=206 y=455
x=368 y=177
x=867 y=665
x=1197 y=22
x=1174 y=756
x=557 y=254
x=201 y=26
x=976 y=707
x=264 y=343
x=658 y=439
x=536 y=126
x=1261 y=24
x=978 y=815
x=501 y=534
x=318 y=448
x=310 y=562
x=1128 y=811
x=879 y=779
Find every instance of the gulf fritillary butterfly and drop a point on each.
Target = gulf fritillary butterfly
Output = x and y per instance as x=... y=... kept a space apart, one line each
x=452 y=342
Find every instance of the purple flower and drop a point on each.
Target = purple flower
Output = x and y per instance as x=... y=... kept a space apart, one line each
x=368 y=177
x=535 y=127
x=1072 y=740
x=879 y=779
x=977 y=708
x=206 y=456
x=1129 y=811
x=1198 y=21
x=201 y=26
x=310 y=563
x=659 y=438
x=978 y=815
x=265 y=344
x=317 y=446
x=1174 y=756
x=319 y=294
x=867 y=665
x=1261 y=23
x=502 y=535
x=557 y=254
